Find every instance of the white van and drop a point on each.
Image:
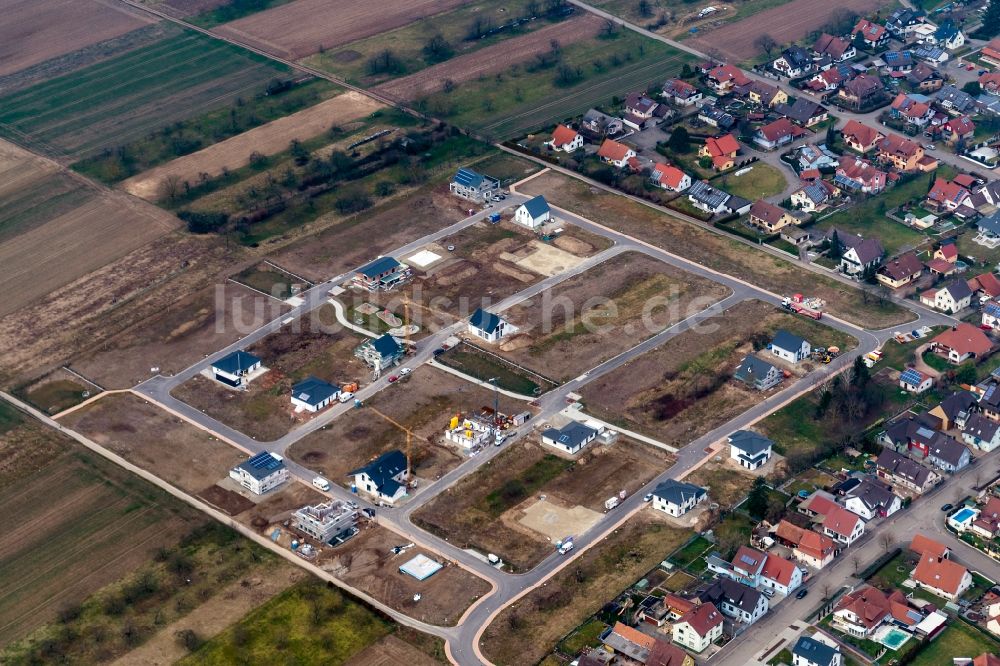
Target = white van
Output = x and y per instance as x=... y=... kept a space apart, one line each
x=321 y=483
x=345 y=396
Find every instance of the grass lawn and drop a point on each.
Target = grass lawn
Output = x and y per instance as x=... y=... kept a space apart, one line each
x=9 y=417
x=987 y=257
x=959 y=639
x=783 y=657
x=267 y=280
x=896 y=355
x=309 y=623
x=784 y=246
x=731 y=532
x=762 y=181
x=840 y=461
x=690 y=552
x=586 y=635
x=893 y=573
x=937 y=362
x=516 y=490
x=484 y=366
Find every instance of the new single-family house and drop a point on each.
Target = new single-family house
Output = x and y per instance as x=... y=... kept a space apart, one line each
x=843 y=526
x=777 y=133
x=831 y=79
x=676 y=498
x=488 y=326
x=382 y=274
x=981 y=432
x=721 y=150
x=947 y=36
x=808 y=651
x=327 y=521
x=474 y=186
x=313 y=394
x=858 y=175
x=872 y=34
x=912 y=380
x=707 y=198
x=790 y=347
x=950 y=297
x=943 y=577
x=780 y=575
x=534 y=212
x=749 y=449
x=736 y=600
x=670 y=178
x=565 y=139
x=954 y=411
x=860 y=255
x=261 y=473
x=234 y=368
x=900 y=271
x=384 y=478
x=615 y=153
x=905 y=472
x=991 y=314
x=380 y=353
x=639 y=106
x=699 y=627
x=962 y=342
x=871 y=498
x=681 y=92
x=757 y=373
x=770 y=218
x=571 y=438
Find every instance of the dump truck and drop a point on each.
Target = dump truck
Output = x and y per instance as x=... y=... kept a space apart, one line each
x=808 y=307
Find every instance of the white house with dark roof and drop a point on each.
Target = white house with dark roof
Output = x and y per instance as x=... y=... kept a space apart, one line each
x=384 y=478
x=382 y=274
x=233 y=369
x=313 y=394
x=872 y=498
x=261 y=473
x=749 y=449
x=948 y=454
x=380 y=353
x=808 y=651
x=757 y=373
x=981 y=432
x=533 y=213
x=488 y=326
x=738 y=601
x=790 y=347
x=676 y=498
x=474 y=186
x=571 y=438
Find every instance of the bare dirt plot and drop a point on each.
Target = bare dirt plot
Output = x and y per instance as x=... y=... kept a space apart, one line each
x=593 y=316
x=314 y=345
x=492 y=59
x=154 y=439
x=303 y=27
x=684 y=388
x=180 y=335
x=715 y=251
x=557 y=522
x=786 y=24
x=391 y=651
x=367 y=562
x=57 y=391
x=267 y=139
x=500 y=491
x=278 y=505
x=423 y=402
x=37 y=30
x=351 y=243
x=74 y=526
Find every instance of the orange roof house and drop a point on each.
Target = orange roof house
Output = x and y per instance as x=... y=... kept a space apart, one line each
x=722 y=151
x=964 y=341
x=615 y=153
x=942 y=576
x=922 y=545
x=861 y=137
x=565 y=138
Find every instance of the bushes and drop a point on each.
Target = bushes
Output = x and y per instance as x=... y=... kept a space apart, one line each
x=203 y=223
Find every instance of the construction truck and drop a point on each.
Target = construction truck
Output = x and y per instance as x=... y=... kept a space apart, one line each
x=808 y=307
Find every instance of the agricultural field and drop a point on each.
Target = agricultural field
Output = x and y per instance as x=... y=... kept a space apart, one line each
x=73 y=524
x=684 y=388
x=530 y=628
x=314 y=345
x=600 y=313
x=56 y=228
x=39 y=30
x=712 y=250
x=122 y=99
x=300 y=28
x=423 y=402
x=508 y=487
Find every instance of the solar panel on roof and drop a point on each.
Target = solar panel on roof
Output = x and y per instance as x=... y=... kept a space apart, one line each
x=746 y=559
x=989 y=393
x=910 y=376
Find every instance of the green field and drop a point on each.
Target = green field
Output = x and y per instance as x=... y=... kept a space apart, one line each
x=308 y=624
x=762 y=181
x=523 y=98
x=119 y=100
x=957 y=640
x=232 y=10
x=483 y=366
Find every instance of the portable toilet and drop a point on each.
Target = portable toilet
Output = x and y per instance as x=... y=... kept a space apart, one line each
x=454 y=422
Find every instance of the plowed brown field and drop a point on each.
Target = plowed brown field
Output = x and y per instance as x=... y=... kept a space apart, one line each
x=492 y=59
x=299 y=28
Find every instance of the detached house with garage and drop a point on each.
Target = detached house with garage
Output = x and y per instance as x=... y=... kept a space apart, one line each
x=675 y=498
x=947 y=196
x=721 y=150
x=808 y=547
x=861 y=92
x=757 y=373
x=670 y=178
x=949 y=454
x=838 y=48
x=860 y=255
x=565 y=139
x=699 y=627
x=770 y=218
x=474 y=186
x=489 y=327
x=942 y=577
x=777 y=133
x=313 y=394
x=861 y=137
x=261 y=473
x=862 y=611
x=615 y=153
x=724 y=78
x=571 y=438
x=843 y=526
x=749 y=449
x=952 y=297
x=814 y=197
x=873 y=35
x=901 y=271
x=962 y=342
x=384 y=478
x=235 y=369
x=681 y=93
x=793 y=62
x=789 y=347
x=533 y=213
x=904 y=155
x=858 y=175
x=738 y=601
x=780 y=575
x=870 y=499
x=382 y=274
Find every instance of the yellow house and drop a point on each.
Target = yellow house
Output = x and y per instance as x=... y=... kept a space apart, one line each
x=766 y=94
x=769 y=217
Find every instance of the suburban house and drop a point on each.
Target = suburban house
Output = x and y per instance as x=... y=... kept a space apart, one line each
x=383 y=478
x=382 y=274
x=681 y=92
x=764 y=94
x=707 y=198
x=843 y=525
x=912 y=380
x=565 y=139
x=234 y=368
x=989 y=230
x=947 y=36
x=990 y=54
x=808 y=546
x=738 y=601
x=903 y=154
x=958 y=129
x=488 y=326
x=628 y=642
x=955 y=101
x=638 y=109
x=769 y=217
x=862 y=611
x=749 y=449
x=571 y=438
x=947 y=196
x=313 y=394
x=699 y=627
x=780 y=575
x=990 y=83
x=860 y=92
x=987 y=524
x=676 y=498
x=716 y=116
x=912 y=109
x=803 y=112
x=816 y=157
x=789 y=347
x=905 y=472
x=932 y=55
x=721 y=150
x=814 y=197
x=615 y=153
x=793 y=62
x=808 y=651
x=724 y=78
x=925 y=78
x=901 y=271
x=861 y=137
x=873 y=35
x=534 y=212
x=757 y=373
x=327 y=521
x=955 y=410
x=951 y=297
x=981 y=432
x=818 y=505
x=949 y=454
x=838 y=48
x=871 y=498
x=745 y=568
x=474 y=186
x=601 y=124
x=991 y=314
x=261 y=473
x=831 y=79
x=670 y=177
x=901 y=22
x=860 y=255
x=380 y=353
x=942 y=576
x=962 y=342
x=923 y=545
x=858 y=175
x=777 y=133
x=897 y=63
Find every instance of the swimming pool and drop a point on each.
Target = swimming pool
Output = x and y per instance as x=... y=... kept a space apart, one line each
x=962 y=519
x=894 y=638
x=963 y=515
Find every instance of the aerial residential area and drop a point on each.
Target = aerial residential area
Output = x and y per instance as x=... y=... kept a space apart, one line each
x=607 y=333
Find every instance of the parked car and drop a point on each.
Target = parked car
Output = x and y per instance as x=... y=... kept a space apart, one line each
x=801 y=593
x=393 y=378
x=948 y=507
x=648 y=497
x=439 y=351
x=404 y=371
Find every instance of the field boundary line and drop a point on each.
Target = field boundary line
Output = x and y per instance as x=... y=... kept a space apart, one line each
x=79 y=376
x=243 y=284
x=472 y=380
x=513 y=186
x=285 y=270
x=93 y=398
x=403 y=619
